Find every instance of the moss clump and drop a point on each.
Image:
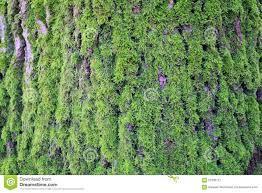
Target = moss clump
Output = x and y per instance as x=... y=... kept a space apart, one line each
x=131 y=87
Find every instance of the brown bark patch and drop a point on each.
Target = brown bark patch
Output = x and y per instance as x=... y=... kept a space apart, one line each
x=254 y=161
x=259 y=94
x=42 y=27
x=162 y=79
x=136 y=9
x=237 y=25
x=171 y=4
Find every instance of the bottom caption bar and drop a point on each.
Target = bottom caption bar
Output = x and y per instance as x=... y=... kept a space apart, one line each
x=131 y=183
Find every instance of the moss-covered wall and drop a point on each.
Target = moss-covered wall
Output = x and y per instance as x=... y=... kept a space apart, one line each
x=130 y=87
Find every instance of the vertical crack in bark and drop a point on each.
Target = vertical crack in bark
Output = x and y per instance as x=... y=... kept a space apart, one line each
x=10 y=147
x=28 y=47
x=19 y=48
x=19 y=43
x=48 y=16
x=2 y=33
x=2 y=29
x=237 y=25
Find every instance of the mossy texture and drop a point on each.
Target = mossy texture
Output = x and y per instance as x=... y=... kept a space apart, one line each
x=130 y=87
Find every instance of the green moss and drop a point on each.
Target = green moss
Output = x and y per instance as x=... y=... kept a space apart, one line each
x=95 y=90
